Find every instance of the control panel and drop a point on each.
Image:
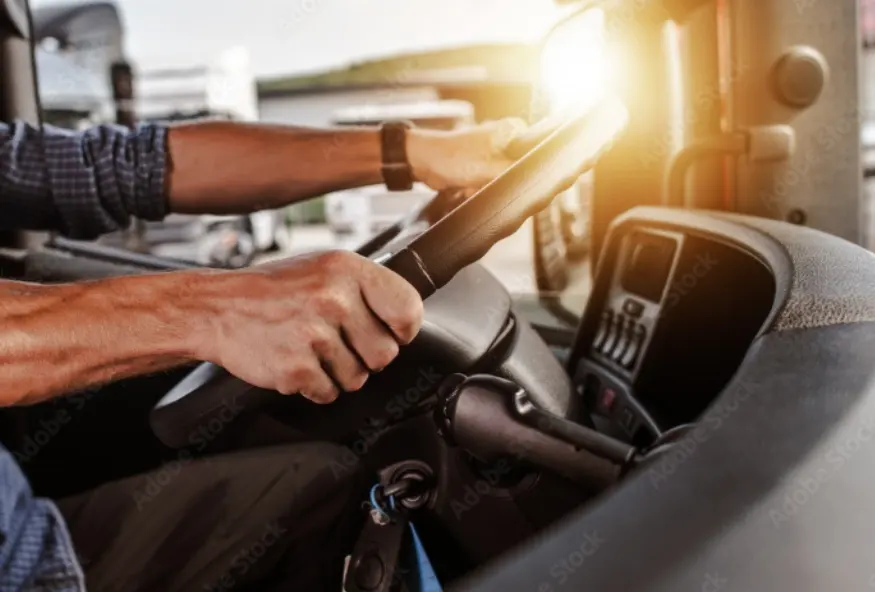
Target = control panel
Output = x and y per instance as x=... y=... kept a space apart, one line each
x=671 y=315
x=628 y=318
x=635 y=298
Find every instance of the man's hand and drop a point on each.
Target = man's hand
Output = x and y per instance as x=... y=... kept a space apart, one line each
x=314 y=325
x=465 y=159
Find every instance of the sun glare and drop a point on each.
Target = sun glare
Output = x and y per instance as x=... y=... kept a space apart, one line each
x=575 y=64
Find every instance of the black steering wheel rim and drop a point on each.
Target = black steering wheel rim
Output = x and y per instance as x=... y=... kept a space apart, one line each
x=423 y=217
x=500 y=208
x=431 y=259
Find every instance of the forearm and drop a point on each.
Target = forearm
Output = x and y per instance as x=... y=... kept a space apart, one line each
x=59 y=339
x=237 y=168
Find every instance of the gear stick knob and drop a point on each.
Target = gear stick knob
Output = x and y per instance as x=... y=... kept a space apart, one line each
x=479 y=414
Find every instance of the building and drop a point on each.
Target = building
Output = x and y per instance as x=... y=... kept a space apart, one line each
x=224 y=88
x=496 y=79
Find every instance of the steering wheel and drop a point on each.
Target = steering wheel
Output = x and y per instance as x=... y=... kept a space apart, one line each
x=561 y=153
x=420 y=218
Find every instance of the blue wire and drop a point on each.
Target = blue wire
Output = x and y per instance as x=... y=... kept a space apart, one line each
x=372 y=497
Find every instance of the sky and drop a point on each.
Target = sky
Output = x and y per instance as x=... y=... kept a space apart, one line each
x=293 y=36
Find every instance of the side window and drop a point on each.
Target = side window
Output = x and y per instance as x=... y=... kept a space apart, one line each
x=190 y=69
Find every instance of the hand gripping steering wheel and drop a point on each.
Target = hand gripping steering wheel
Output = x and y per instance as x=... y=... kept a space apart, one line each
x=462 y=237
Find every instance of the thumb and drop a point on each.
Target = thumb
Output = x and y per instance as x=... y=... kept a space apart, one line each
x=504 y=131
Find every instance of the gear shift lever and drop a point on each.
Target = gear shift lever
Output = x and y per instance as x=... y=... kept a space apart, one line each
x=492 y=418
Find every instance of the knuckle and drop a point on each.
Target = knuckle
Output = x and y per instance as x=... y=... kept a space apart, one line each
x=337 y=261
x=320 y=339
x=333 y=303
x=383 y=356
x=286 y=384
x=409 y=320
x=300 y=377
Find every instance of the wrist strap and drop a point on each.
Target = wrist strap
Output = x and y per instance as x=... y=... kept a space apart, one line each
x=397 y=172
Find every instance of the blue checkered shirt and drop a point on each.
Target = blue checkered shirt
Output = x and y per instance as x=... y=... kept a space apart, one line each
x=82 y=185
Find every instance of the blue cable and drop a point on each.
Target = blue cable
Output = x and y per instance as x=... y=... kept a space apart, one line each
x=372 y=498
x=424 y=577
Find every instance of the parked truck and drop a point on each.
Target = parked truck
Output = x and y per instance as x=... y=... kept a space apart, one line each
x=79 y=54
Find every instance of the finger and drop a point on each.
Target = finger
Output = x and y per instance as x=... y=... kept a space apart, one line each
x=467 y=193
x=497 y=167
x=531 y=136
x=322 y=389
x=310 y=381
x=374 y=344
x=505 y=131
x=394 y=301
x=341 y=364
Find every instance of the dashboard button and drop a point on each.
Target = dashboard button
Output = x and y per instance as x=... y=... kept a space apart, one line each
x=627 y=341
x=615 y=335
x=604 y=330
x=633 y=308
x=630 y=358
x=606 y=400
x=627 y=420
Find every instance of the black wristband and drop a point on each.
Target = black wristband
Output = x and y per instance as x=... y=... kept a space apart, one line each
x=397 y=172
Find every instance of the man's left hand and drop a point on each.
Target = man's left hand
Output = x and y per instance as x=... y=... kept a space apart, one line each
x=465 y=159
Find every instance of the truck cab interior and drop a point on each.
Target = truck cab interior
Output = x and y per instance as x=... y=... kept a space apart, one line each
x=706 y=424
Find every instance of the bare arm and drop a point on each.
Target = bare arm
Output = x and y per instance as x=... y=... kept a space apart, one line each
x=235 y=168
x=313 y=325
x=58 y=339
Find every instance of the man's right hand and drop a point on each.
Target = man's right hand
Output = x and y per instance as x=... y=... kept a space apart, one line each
x=313 y=325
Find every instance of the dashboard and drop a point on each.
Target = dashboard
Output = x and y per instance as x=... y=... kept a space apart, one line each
x=672 y=314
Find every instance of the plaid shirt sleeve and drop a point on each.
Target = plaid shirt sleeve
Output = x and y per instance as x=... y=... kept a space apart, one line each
x=82 y=184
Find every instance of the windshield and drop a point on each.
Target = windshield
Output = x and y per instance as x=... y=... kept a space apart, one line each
x=441 y=64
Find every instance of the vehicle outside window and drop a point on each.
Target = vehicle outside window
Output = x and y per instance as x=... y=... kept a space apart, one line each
x=78 y=44
x=72 y=65
x=368 y=210
x=72 y=97
x=225 y=90
x=229 y=77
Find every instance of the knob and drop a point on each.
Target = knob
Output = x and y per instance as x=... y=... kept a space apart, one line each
x=799 y=76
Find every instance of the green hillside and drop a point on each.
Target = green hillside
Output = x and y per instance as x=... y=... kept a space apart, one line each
x=502 y=62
